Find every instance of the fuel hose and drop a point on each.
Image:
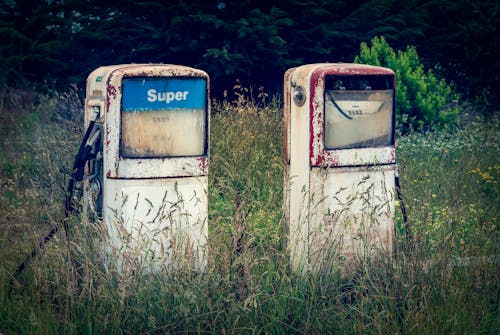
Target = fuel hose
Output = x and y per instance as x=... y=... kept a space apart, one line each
x=76 y=175
x=402 y=205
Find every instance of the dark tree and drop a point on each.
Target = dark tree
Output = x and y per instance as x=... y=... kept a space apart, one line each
x=55 y=42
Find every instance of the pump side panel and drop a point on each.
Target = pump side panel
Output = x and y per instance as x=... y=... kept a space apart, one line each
x=286 y=156
x=297 y=180
x=157 y=224
x=352 y=212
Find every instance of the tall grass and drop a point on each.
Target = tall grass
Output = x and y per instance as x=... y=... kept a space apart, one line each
x=444 y=280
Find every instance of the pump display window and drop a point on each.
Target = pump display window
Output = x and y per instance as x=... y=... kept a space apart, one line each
x=163 y=117
x=358 y=112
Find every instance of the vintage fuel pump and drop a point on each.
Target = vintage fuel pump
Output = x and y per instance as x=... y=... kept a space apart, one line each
x=341 y=165
x=146 y=180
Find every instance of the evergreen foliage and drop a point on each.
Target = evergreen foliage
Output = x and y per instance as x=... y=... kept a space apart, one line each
x=423 y=100
x=57 y=42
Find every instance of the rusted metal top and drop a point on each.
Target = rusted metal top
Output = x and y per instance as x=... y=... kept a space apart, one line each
x=108 y=79
x=348 y=69
x=319 y=156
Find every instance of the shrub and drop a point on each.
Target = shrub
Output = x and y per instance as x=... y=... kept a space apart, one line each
x=423 y=101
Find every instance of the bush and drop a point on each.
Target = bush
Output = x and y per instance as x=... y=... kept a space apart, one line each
x=422 y=100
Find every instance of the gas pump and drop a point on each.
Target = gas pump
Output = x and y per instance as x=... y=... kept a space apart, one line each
x=147 y=175
x=340 y=165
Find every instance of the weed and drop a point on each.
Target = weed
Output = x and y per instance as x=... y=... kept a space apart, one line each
x=445 y=280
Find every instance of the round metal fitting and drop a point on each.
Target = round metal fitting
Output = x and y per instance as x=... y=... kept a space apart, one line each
x=299 y=95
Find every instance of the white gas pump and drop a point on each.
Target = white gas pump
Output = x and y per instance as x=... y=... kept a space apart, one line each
x=340 y=158
x=147 y=177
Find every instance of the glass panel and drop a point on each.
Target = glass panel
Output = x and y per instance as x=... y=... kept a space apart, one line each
x=358 y=118
x=163 y=117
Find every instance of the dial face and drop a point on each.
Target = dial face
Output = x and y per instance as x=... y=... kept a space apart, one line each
x=358 y=112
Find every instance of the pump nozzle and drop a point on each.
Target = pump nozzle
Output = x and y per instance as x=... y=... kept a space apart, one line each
x=96 y=113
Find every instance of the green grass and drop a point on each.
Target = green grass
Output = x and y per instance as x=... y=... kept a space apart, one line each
x=451 y=184
x=450 y=188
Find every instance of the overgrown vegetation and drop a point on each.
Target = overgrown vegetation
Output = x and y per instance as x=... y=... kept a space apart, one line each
x=450 y=188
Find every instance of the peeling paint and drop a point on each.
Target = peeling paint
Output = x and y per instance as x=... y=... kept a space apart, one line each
x=316 y=178
x=162 y=166
x=203 y=164
x=317 y=118
x=139 y=190
x=111 y=92
x=319 y=156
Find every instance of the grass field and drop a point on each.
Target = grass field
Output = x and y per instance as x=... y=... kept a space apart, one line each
x=444 y=280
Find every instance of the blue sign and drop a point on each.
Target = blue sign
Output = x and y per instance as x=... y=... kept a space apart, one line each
x=153 y=94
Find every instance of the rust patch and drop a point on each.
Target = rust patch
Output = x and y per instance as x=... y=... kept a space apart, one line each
x=318 y=155
x=108 y=131
x=356 y=69
x=155 y=70
x=331 y=160
x=202 y=164
x=120 y=131
x=111 y=90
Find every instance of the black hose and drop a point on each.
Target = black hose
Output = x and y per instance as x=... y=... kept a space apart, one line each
x=402 y=206
x=77 y=171
x=76 y=174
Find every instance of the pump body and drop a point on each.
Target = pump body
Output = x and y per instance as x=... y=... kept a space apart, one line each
x=147 y=184
x=340 y=165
